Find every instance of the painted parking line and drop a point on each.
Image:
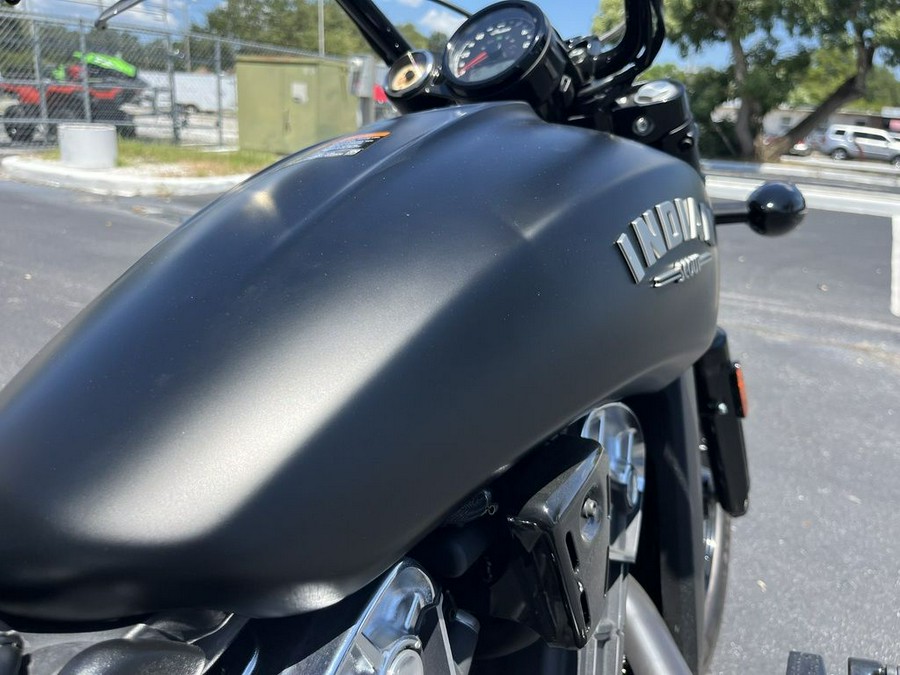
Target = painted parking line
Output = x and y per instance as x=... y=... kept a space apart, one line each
x=895 y=266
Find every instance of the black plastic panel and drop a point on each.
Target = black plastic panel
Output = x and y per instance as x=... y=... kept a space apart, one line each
x=559 y=569
x=720 y=413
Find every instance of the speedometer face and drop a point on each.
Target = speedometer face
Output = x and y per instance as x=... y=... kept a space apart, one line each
x=491 y=46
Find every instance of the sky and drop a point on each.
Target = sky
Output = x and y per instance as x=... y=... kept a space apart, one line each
x=158 y=14
x=570 y=17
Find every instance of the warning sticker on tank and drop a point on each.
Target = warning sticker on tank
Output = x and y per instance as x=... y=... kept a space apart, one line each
x=347 y=146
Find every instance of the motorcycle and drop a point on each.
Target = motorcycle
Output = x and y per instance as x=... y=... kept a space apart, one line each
x=443 y=396
x=110 y=81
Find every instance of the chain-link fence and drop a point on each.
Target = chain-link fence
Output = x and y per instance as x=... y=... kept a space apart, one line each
x=149 y=83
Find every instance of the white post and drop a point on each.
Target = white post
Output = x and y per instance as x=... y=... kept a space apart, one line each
x=321 y=27
x=895 y=266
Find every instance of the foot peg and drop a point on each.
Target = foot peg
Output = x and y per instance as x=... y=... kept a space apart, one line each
x=867 y=667
x=800 y=663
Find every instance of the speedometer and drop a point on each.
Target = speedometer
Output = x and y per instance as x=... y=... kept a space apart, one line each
x=489 y=48
x=507 y=51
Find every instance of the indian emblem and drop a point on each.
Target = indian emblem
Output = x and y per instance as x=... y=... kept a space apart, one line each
x=662 y=229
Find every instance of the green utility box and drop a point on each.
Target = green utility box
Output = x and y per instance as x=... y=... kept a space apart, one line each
x=287 y=103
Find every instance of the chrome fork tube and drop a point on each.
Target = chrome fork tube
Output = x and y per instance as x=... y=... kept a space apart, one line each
x=649 y=646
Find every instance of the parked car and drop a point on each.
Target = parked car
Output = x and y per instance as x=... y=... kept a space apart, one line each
x=843 y=141
x=802 y=148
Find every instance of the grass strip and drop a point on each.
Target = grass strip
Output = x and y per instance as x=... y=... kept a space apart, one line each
x=186 y=160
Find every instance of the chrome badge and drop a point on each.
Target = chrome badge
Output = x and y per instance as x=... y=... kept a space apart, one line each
x=684 y=269
x=662 y=229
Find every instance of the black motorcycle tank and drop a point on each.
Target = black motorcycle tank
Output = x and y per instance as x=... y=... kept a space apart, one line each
x=274 y=403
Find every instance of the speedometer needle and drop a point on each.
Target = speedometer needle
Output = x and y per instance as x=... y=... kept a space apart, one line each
x=474 y=62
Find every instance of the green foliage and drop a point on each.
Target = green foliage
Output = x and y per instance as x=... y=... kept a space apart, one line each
x=437 y=42
x=707 y=89
x=664 y=71
x=839 y=23
x=203 y=54
x=610 y=14
x=287 y=23
x=341 y=35
x=883 y=89
x=415 y=39
x=433 y=43
x=183 y=160
x=771 y=77
x=693 y=24
x=197 y=162
x=842 y=37
x=849 y=36
x=16 y=56
x=831 y=66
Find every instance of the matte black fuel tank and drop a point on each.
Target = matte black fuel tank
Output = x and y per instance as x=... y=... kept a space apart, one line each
x=275 y=402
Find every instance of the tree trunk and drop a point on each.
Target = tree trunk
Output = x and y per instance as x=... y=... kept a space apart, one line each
x=742 y=126
x=851 y=89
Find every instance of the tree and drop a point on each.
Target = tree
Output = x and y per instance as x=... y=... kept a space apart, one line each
x=16 y=55
x=341 y=34
x=761 y=71
x=829 y=67
x=287 y=23
x=415 y=39
x=693 y=24
x=859 y=29
x=883 y=89
x=437 y=41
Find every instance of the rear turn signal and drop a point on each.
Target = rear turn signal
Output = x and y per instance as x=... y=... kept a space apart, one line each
x=739 y=390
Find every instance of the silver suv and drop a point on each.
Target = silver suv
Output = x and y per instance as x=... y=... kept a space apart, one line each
x=842 y=141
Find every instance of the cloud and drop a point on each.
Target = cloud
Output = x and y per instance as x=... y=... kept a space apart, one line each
x=150 y=14
x=411 y=3
x=440 y=21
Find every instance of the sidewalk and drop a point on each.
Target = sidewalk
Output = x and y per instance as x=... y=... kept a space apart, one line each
x=881 y=177
x=146 y=181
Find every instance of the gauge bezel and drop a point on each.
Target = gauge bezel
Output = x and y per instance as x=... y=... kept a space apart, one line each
x=516 y=71
x=415 y=87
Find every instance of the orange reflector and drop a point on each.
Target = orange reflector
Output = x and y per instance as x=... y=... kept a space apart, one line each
x=740 y=390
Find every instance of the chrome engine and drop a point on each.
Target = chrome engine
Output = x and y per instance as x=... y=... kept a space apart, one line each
x=403 y=631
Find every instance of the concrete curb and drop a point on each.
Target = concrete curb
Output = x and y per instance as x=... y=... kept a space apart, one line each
x=828 y=170
x=113 y=181
x=806 y=164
